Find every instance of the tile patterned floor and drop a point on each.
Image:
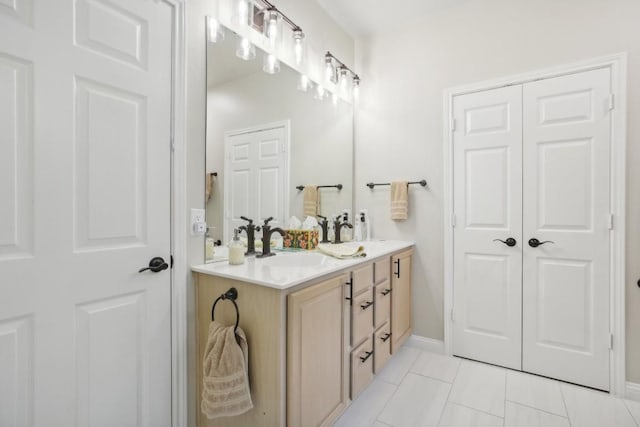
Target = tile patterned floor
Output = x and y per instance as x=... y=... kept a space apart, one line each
x=418 y=388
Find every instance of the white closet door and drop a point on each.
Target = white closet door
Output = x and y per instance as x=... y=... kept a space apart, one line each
x=488 y=205
x=256 y=177
x=566 y=201
x=85 y=110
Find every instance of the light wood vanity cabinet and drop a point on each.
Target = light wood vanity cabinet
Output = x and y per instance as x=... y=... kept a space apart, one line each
x=401 y=300
x=314 y=346
x=317 y=339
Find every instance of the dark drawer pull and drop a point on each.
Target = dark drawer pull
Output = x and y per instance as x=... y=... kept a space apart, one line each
x=386 y=292
x=366 y=305
x=367 y=355
x=397 y=273
x=386 y=337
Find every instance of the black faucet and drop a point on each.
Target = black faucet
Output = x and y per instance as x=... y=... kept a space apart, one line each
x=337 y=226
x=324 y=224
x=267 y=231
x=250 y=229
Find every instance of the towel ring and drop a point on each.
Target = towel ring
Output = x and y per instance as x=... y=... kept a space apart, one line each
x=231 y=295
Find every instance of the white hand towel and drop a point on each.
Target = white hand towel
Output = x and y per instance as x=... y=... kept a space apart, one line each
x=399 y=200
x=311 y=205
x=342 y=251
x=225 y=378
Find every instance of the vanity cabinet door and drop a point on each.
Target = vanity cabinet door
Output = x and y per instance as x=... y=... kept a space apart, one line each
x=382 y=299
x=317 y=354
x=362 y=279
x=362 y=320
x=381 y=270
x=400 y=299
x=382 y=347
x=361 y=367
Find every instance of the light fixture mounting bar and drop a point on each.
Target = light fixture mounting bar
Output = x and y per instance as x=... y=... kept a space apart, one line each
x=286 y=19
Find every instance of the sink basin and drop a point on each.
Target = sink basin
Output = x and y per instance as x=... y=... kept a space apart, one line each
x=297 y=260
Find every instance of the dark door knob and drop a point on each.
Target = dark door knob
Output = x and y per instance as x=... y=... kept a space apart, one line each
x=534 y=243
x=509 y=242
x=156 y=265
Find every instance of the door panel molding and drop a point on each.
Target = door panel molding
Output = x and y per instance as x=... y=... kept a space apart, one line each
x=617 y=64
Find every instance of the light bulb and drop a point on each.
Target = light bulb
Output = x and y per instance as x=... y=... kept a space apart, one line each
x=271 y=64
x=304 y=83
x=215 y=31
x=242 y=12
x=245 y=49
x=356 y=87
x=298 y=46
x=329 y=70
x=271 y=26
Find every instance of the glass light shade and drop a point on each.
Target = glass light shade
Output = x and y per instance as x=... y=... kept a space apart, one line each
x=320 y=92
x=299 y=46
x=272 y=26
x=215 y=31
x=271 y=64
x=343 y=79
x=356 y=87
x=329 y=70
x=241 y=13
x=304 y=83
x=245 y=49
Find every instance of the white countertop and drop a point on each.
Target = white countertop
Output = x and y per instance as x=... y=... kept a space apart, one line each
x=288 y=269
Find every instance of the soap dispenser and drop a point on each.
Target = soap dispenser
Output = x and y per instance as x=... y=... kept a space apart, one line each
x=236 y=249
x=347 y=234
x=364 y=225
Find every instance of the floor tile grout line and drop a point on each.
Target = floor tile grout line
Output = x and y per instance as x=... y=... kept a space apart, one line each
x=446 y=401
x=624 y=403
x=566 y=408
x=536 y=408
x=476 y=409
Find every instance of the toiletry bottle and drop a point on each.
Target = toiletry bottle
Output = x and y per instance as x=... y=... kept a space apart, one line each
x=209 y=246
x=236 y=249
x=357 y=230
x=331 y=232
x=362 y=226
x=347 y=233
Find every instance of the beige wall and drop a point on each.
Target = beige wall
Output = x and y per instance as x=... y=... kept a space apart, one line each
x=326 y=35
x=399 y=119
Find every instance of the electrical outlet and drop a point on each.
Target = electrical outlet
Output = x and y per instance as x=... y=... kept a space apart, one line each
x=198 y=224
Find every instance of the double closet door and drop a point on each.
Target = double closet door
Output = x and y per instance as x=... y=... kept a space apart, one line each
x=532 y=222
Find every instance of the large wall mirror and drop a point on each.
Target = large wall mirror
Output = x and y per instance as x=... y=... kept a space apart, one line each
x=265 y=138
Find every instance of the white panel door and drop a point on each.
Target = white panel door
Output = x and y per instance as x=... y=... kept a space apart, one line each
x=488 y=206
x=85 y=111
x=256 y=177
x=566 y=201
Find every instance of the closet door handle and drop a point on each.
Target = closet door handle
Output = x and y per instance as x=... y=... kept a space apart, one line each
x=509 y=242
x=534 y=243
x=397 y=273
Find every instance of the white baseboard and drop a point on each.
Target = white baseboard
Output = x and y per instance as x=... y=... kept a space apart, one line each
x=426 y=344
x=632 y=391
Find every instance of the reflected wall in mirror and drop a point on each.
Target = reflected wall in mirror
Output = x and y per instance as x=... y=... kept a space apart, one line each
x=264 y=138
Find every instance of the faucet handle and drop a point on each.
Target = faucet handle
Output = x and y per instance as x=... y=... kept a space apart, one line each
x=266 y=221
x=247 y=219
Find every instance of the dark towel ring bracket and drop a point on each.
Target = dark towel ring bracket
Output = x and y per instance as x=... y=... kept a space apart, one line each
x=231 y=295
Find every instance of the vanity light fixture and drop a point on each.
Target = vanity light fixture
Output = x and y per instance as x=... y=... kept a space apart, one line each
x=271 y=65
x=299 y=48
x=245 y=50
x=271 y=25
x=356 y=86
x=241 y=12
x=215 y=31
x=329 y=69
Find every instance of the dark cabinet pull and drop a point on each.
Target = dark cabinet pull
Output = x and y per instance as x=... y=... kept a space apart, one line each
x=511 y=242
x=350 y=297
x=366 y=305
x=367 y=355
x=386 y=337
x=386 y=292
x=397 y=273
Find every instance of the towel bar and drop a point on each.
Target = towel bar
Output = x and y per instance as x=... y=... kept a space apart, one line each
x=338 y=186
x=231 y=295
x=423 y=183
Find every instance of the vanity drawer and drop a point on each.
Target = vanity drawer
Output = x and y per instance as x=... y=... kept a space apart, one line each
x=361 y=367
x=362 y=279
x=382 y=347
x=381 y=270
x=382 y=299
x=362 y=316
